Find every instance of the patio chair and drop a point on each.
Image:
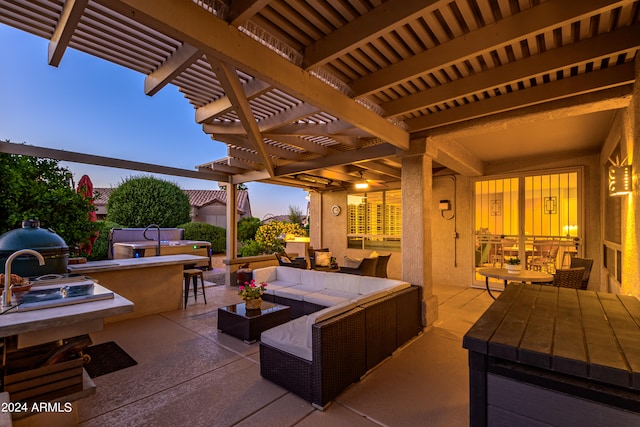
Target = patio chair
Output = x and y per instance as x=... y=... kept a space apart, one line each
x=587 y=263
x=569 y=277
x=381 y=265
x=312 y=255
x=366 y=268
x=285 y=261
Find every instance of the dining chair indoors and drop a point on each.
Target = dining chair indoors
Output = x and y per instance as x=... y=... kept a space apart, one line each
x=544 y=257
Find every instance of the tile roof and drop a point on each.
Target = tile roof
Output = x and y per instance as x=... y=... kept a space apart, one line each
x=197 y=198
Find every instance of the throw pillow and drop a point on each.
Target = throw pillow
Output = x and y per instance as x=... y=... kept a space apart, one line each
x=373 y=254
x=352 y=262
x=285 y=260
x=323 y=259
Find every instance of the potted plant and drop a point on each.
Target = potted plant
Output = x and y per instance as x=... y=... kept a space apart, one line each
x=513 y=265
x=251 y=294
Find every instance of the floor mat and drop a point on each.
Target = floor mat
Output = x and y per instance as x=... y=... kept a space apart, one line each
x=106 y=358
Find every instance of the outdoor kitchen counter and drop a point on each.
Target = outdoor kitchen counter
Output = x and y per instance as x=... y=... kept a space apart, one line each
x=50 y=324
x=555 y=356
x=148 y=248
x=153 y=284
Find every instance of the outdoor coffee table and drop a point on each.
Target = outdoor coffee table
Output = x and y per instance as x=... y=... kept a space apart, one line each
x=247 y=325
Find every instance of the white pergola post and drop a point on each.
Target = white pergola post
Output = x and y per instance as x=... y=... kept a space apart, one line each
x=232 y=232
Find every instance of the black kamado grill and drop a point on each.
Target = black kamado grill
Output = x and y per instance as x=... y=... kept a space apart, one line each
x=52 y=247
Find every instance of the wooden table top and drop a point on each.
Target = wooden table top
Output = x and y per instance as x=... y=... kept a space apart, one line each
x=521 y=276
x=589 y=334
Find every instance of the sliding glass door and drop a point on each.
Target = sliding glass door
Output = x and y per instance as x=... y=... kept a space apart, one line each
x=535 y=217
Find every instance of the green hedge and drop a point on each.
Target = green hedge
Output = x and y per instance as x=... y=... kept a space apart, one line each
x=217 y=236
x=101 y=245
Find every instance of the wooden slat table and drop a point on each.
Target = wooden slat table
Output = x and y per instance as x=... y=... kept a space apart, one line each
x=542 y=354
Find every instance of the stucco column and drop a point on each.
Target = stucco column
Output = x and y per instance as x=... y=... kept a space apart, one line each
x=416 y=230
x=232 y=233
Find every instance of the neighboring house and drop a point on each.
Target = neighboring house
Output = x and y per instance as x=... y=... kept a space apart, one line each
x=281 y=218
x=207 y=206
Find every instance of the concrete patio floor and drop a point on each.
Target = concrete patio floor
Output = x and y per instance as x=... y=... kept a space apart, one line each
x=190 y=374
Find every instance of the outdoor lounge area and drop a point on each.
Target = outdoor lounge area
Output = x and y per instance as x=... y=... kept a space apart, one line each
x=459 y=135
x=188 y=373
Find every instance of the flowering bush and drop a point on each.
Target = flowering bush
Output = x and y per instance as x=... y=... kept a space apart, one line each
x=268 y=235
x=251 y=291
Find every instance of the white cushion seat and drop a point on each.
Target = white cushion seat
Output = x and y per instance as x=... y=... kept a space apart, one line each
x=328 y=297
x=295 y=336
x=290 y=337
x=277 y=284
x=296 y=292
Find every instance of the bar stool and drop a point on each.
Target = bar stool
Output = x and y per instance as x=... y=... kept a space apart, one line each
x=192 y=274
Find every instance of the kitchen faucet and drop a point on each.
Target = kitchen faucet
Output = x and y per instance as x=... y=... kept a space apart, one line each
x=144 y=234
x=6 y=296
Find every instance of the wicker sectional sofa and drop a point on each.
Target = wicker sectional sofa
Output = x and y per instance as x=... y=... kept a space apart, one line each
x=342 y=326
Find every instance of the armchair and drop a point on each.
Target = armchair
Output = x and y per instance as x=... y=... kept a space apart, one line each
x=587 y=263
x=381 y=265
x=366 y=268
x=312 y=256
x=569 y=277
x=285 y=261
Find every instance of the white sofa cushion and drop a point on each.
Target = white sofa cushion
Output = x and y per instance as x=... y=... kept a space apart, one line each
x=344 y=282
x=266 y=274
x=296 y=283
x=314 y=279
x=295 y=337
x=288 y=274
x=375 y=284
x=328 y=297
x=296 y=292
x=325 y=314
x=363 y=299
x=277 y=284
x=290 y=337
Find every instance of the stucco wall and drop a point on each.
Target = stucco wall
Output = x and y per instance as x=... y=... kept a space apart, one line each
x=631 y=209
x=445 y=272
x=453 y=257
x=333 y=232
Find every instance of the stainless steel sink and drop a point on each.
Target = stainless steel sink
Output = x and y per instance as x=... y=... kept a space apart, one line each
x=60 y=292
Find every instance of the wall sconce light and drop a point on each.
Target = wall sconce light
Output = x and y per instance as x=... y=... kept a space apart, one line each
x=620 y=181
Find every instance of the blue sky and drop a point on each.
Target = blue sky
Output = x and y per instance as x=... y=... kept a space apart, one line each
x=93 y=106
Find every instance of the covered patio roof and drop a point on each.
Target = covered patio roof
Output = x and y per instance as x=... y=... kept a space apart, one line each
x=321 y=94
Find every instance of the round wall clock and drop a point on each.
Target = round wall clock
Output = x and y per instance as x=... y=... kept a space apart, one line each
x=335 y=210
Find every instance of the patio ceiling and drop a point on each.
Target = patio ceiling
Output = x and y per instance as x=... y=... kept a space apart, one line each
x=322 y=94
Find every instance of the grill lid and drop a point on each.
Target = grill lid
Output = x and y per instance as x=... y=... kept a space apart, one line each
x=31 y=236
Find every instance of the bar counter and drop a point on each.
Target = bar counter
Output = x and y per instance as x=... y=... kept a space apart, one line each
x=153 y=284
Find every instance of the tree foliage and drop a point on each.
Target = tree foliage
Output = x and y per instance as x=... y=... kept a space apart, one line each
x=270 y=235
x=251 y=248
x=217 y=236
x=143 y=200
x=40 y=189
x=295 y=214
x=100 y=248
x=247 y=228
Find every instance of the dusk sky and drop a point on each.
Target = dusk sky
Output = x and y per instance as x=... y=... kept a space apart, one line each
x=93 y=106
